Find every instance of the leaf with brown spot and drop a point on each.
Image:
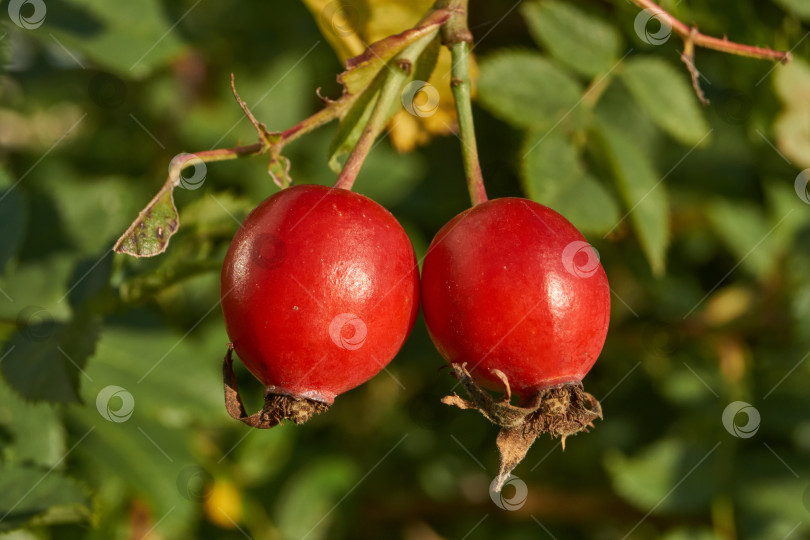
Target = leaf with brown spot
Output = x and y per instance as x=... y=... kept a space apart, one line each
x=149 y=234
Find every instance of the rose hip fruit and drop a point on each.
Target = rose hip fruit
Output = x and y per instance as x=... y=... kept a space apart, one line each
x=320 y=289
x=516 y=299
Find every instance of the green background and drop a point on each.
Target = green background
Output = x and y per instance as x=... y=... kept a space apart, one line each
x=694 y=209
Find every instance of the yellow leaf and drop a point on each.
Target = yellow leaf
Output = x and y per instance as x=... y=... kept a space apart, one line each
x=350 y=27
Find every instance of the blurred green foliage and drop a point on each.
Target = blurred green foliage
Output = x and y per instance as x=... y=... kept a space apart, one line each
x=111 y=416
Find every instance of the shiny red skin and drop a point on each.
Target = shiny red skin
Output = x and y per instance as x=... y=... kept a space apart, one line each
x=496 y=294
x=320 y=289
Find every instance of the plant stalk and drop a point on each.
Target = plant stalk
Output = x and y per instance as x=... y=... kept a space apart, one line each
x=399 y=71
x=461 y=87
x=457 y=37
x=688 y=33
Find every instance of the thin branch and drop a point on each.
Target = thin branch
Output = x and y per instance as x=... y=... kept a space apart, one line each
x=688 y=33
x=688 y=58
x=457 y=36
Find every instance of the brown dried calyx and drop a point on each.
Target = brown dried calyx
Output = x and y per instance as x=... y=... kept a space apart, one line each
x=560 y=411
x=277 y=407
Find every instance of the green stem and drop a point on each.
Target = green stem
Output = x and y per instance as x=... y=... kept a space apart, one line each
x=457 y=36
x=461 y=94
x=399 y=71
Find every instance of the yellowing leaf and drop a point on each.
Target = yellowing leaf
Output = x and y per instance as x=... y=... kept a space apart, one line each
x=350 y=26
x=362 y=81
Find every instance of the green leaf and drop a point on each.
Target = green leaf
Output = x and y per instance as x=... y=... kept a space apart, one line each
x=616 y=107
x=305 y=503
x=526 y=90
x=745 y=232
x=792 y=81
x=792 y=126
x=149 y=234
x=12 y=224
x=30 y=433
x=27 y=493
x=90 y=279
x=92 y=219
x=175 y=384
x=665 y=95
x=799 y=8
x=643 y=192
x=132 y=38
x=552 y=176
x=582 y=41
x=38 y=283
x=43 y=360
x=647 y=479
x=149 y=457
x=149 y=361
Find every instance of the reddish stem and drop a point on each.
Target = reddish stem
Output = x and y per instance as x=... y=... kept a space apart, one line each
x=688 y=33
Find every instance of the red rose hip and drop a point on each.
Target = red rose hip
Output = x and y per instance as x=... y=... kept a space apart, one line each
x=319 y=292
x=516 y=299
